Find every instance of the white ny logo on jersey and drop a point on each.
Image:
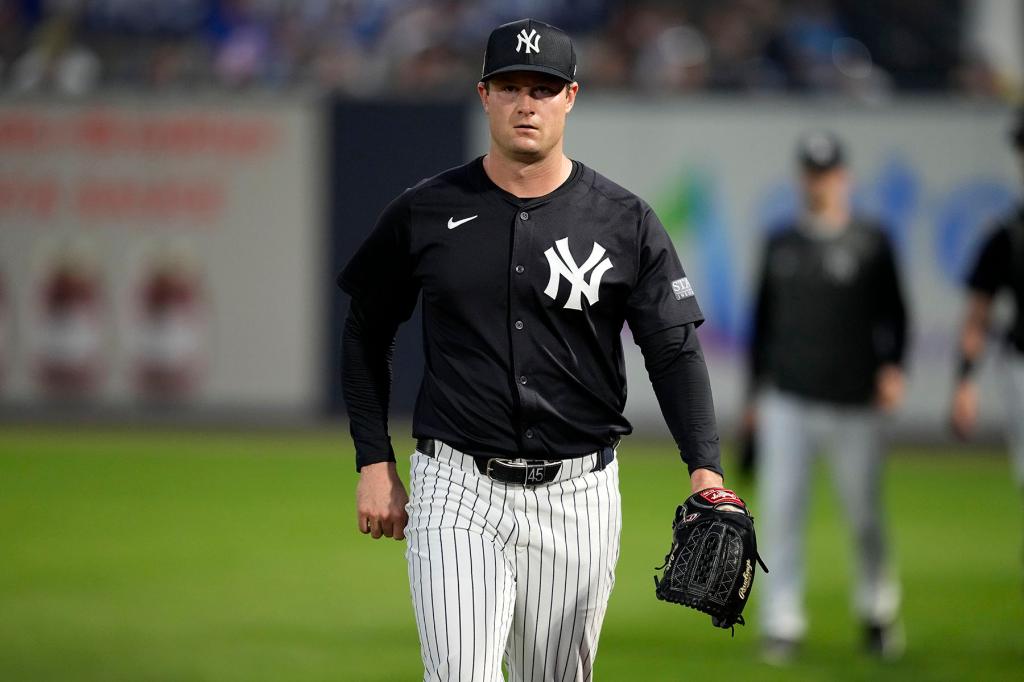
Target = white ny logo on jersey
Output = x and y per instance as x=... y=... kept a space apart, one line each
x=563 y=265
x=531 y=40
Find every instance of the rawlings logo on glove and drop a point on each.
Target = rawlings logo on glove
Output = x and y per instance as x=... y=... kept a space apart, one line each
x=710 y=565
x=721 y=496
x=748 y=578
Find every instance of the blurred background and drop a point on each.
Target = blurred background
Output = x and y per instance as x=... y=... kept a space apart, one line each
x=180 y=180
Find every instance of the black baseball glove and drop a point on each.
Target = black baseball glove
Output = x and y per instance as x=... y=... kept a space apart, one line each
x=710 y=566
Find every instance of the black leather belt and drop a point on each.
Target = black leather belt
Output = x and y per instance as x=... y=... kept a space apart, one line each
x=518 y=471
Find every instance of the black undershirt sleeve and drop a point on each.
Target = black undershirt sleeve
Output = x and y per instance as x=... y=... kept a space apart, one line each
x=675 y=364
x=367 y=346
x=993 y=268
x=891 y=326
x=380 y=280
x=759 y=331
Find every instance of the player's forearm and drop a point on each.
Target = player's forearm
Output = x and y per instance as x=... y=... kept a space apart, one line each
x=975 y=330
x=891 y=340
x=757 y=360
x=757 y=363
x=973 y=335
x=896 y=325
x=367 y=347
x=680 y=379
x=892 y=322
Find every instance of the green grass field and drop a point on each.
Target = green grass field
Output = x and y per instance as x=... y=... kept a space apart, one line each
x=127 y=555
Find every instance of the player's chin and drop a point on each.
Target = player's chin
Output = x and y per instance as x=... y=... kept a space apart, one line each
x=526 y=147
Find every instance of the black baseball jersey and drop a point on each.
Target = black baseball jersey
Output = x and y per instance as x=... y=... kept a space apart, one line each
x=829 y=313
x=1000 y=267
x=524 y=302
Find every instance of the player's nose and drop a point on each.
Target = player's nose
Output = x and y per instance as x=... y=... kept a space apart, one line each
x=525 y=103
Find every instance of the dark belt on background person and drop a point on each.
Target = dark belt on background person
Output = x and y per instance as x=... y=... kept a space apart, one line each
x=519 y=471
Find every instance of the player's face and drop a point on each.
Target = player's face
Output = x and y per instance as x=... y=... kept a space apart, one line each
x=527 y=112
x=825 y=188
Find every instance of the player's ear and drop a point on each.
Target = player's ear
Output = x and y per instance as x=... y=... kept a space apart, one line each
x=570 y=95
x=484 y=93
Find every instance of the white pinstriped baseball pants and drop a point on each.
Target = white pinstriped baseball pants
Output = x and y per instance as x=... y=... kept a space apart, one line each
x=510 y=572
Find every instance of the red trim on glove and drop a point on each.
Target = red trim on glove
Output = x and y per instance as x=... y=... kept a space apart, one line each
x=721 y=496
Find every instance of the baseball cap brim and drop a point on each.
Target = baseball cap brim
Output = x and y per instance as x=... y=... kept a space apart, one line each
x=528 y=67
x=811 y=166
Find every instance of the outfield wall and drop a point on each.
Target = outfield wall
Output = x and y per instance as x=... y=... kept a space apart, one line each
x=159 y=252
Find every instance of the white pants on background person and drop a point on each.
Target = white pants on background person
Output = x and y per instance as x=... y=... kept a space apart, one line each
x=1014 y=390
x=791 y=431
x=503 y=571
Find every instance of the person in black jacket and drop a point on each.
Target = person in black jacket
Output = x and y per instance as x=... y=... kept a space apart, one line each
x=998 y=269
x=826 y=360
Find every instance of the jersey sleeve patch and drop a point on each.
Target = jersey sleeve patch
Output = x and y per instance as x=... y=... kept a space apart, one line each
x=681 y=288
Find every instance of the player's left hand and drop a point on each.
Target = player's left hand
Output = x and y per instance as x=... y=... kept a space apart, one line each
x=963 y=413
x=701 y=479
x=713 y=577
x=889 y=387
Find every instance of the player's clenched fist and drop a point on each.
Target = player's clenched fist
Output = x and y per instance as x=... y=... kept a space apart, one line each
x=380 y=501
x=890 y=387
x=964 y=410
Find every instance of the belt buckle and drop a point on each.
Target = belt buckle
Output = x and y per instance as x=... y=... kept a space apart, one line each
x=493 y=460
x=533 y=474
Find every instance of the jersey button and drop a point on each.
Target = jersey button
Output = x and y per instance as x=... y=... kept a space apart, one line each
x=524 y=216
x=520 y=269
x=519 y=324
x=522 y=380
x=528 y=433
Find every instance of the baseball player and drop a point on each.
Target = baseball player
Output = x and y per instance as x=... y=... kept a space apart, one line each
x=528 y=265
x=1000 y=267
x=826 y=354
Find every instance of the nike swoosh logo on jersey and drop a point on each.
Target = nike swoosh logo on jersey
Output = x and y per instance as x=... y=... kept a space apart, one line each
x=453 y=223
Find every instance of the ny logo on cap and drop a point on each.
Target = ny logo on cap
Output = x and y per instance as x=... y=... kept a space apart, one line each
x=576 y=274
x=531 y=40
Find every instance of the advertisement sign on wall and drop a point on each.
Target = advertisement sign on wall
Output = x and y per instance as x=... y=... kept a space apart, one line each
x=160 y=252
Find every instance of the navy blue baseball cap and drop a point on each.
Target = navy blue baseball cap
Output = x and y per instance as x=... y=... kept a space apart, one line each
x=529 y=45
x=820 y=151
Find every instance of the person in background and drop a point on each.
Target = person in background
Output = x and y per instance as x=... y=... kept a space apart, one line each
x=999 y=268
x=826 y=362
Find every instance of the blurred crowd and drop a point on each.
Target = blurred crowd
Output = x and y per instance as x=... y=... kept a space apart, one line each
x=417 y=47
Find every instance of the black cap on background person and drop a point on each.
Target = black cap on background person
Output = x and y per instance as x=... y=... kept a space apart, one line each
x=529 y=45
x=824 y=180
x=820 y=151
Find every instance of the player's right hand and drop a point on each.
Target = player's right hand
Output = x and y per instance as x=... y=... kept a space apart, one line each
x=963 y=413
x=380 y=501
x=890 y=387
